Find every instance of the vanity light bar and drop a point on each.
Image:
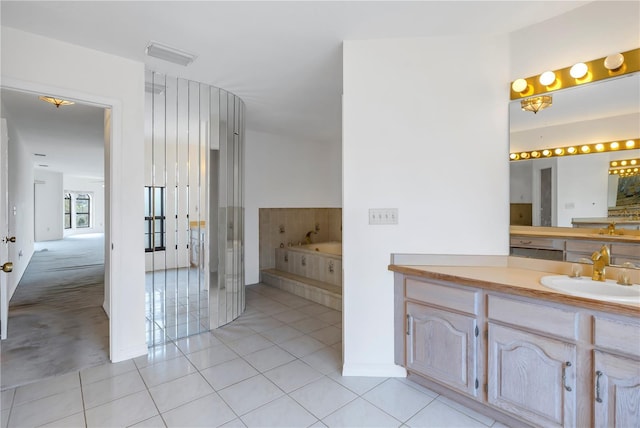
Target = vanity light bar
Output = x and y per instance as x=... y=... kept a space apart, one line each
x=625 y=167
x=609 y=146
x=614 y=65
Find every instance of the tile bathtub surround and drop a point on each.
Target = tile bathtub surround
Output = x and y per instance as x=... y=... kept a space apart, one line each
x=277 y=365
x=296 y=223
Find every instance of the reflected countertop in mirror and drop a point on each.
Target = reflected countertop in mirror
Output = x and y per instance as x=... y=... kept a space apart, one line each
x=592 y=234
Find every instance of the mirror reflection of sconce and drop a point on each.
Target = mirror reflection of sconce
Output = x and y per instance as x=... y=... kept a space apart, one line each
x=625 y=167
x=609 y=146
x=317 y=227
x=282 y=228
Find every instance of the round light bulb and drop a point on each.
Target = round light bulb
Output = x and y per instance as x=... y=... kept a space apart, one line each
x=614 y=163
x=524 y=155
x=623 y=163
x=615 y=145
x=613 y=62
x=578 y=70
x=559 y=152
x=546 y=152
x=634 y=161
x=599 y=147
x=519 y=85
x=630 y=144
x=572 y=150
x=535 y=154
x=585 y=149
x=547 y=78
x=513 y=156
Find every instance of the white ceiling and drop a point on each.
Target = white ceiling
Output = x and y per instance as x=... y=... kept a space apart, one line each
x=284 y=59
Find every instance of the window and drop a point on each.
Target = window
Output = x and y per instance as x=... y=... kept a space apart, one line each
x=67 y=210
x=154 y=218
x=83 y=210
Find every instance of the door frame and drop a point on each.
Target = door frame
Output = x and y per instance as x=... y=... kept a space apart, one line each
x=4 y=226
x=112 y=172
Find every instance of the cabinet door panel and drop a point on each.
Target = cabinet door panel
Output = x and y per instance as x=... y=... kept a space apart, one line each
x=442 y=346
x=530 y=378
x=617 y=386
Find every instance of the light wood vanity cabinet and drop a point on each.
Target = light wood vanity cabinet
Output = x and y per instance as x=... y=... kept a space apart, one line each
x=532 y=361
x=616 y=368
x=442 y=333
x=536 y=362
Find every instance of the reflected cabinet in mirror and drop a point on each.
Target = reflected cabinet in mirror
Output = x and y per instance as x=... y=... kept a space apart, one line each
x=564 y=186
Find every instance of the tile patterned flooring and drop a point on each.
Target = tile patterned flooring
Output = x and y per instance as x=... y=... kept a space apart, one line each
x=278 y=365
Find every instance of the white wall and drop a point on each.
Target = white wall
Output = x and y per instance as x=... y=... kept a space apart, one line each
x=431 y=140
x=520 y=178
x=48 y=205
x=96 y=189
x=39 y=64
x=20 y=197
x=592 y=31
x=285 y=173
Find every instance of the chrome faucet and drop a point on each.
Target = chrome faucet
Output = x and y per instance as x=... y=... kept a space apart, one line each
x=600 y=262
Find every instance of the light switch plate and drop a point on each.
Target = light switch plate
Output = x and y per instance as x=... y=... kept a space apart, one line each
x=383 y=216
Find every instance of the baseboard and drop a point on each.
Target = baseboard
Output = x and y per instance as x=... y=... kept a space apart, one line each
x=373 y=370
x=105 y=307
x=127 y=354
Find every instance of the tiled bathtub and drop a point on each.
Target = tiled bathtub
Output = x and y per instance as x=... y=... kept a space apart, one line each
x=319 y=262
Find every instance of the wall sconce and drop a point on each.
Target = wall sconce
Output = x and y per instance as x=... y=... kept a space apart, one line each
x=535 y=104
x=609 y=146
x=614 y=65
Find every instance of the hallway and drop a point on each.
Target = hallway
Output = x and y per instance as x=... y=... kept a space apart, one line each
x=56 y=321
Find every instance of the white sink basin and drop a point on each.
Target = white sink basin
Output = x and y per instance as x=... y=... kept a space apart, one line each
x=586 y=287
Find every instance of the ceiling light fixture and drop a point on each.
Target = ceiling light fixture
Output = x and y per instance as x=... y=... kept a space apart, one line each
x=56 y=101
x=535 y=104
x=167 y=53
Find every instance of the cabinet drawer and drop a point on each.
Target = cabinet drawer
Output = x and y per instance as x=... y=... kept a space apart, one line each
x=583 y=246
x=526 y=242
x=617 y=335
x=629 y=250
x=549 y=320
x=446 y=296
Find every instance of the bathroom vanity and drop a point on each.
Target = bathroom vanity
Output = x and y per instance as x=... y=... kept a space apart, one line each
x=486 y=333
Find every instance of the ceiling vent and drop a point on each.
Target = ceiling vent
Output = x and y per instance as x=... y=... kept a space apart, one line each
x=167 y=53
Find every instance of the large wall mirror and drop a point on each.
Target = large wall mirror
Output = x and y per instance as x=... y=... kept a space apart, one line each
x=555 y=191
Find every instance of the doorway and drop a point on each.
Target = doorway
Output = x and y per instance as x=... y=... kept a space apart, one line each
x=546 y=186
x=59 y=252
